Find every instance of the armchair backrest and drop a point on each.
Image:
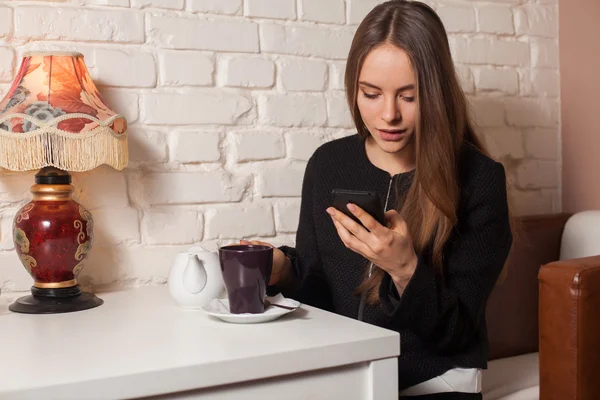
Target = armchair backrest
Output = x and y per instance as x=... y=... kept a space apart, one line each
x=512 y=311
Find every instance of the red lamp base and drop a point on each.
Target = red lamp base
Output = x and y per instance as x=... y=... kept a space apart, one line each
x=53 y=235
x=53 y=301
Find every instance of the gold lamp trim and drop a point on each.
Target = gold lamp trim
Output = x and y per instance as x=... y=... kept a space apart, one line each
x=55 y=285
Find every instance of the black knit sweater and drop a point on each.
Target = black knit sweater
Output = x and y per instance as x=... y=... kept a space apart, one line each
x=441 y=323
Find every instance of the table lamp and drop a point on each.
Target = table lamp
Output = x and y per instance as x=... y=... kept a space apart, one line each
x=54 y=119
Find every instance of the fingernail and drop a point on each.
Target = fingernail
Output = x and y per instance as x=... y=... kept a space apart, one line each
x=351 y=207
x=330 y=212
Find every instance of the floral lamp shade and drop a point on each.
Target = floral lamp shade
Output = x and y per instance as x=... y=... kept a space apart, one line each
x=53 y=115
x=55 y=120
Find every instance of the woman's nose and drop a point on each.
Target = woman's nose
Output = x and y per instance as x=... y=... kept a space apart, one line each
x=391 y=112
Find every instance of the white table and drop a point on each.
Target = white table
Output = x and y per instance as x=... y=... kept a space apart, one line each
x=140 y=344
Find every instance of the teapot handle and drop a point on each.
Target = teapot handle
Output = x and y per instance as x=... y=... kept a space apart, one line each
x=212 y=265
x=194 y=275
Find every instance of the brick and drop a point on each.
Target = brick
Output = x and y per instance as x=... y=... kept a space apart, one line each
x=337 y=70
x=544 y=53
x=7 y=56
x=185 y=68
x=539 y=82
x=338 y=113
x=457 y=19
x=545 y=82
x=116 y=226
x=147 y=145
x=537 y=174
x=255 y=146
x=496 y=79
x=281 y=182
x=194 y=108
x=101 y=187
x=500 y=1
x=526 y=113
x=487 y=111
x=289 y=110
x=495 y=19
x=195 y=147
x=532 y=202
x=191 y=187
x=287 y=216
x=302 y=145
x=7 y=217
x=279 y=9
x=252 y=72
x=139 y=265
x=229 y=7
x=149 y=265
x=555 y=194
x=14 y=186
x=525 y=85
x=358 y=10
x=123 y=102
x=465 y=78
x=168 y=4
x=13 y=277
x=118 y=3
x=131 y=68
x=5 y=21
x=79 y=24
x=306 y=41
x=203 y=34
x=172 y=225
x=537 y=20
x=499 y=52
x=505 y=142
x=330 y=11
x=303 y=75
x=542 y=143
x=224 y=222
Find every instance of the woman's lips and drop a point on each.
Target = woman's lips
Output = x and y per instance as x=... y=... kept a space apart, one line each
x=391 y=135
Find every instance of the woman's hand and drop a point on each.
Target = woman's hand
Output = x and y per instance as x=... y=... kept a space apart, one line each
x=390 y=248
x=282 y=265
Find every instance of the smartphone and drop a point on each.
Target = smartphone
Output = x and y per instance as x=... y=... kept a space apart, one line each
x=368 y=201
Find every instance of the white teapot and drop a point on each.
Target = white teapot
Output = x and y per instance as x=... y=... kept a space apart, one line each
x=195 y=278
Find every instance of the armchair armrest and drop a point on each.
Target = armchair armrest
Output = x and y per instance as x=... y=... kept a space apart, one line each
x=569 y=329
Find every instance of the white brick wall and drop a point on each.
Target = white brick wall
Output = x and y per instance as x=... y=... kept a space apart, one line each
x=244 y=71
x=180 y=68
x=233 y=7
x=227 y=100
x=5 y=21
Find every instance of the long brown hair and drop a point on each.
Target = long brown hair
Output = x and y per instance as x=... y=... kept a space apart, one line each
x=442 y=128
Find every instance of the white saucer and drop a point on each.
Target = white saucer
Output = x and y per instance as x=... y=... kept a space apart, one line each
x=219 y=308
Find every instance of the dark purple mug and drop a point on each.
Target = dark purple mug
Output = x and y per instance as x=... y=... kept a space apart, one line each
x=246 y=272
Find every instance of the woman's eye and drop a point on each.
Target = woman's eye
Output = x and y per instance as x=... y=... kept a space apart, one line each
x=370 y=96
x=409 y=99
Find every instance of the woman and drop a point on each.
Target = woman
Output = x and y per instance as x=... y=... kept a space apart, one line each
x=429 y=272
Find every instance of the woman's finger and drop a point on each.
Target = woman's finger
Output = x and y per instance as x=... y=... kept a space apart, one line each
x=351 y=241
x=351 y=226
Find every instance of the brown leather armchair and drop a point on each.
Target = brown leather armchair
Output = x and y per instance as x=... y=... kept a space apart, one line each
x=548 y=308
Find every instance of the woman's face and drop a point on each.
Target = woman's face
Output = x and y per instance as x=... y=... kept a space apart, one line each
x=386 y=98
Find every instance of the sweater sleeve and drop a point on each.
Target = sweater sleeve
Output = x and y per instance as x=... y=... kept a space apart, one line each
x=447 y=313
x=309 y=282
